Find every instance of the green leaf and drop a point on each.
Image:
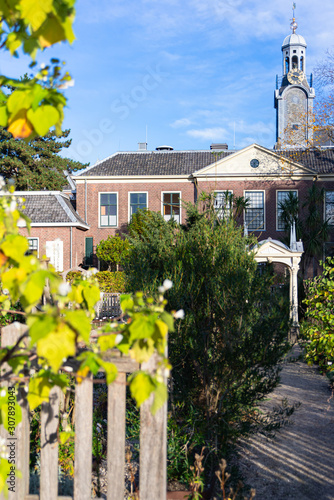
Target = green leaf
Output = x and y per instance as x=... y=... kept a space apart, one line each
x=39 y=391
x=57 y=346
x=169 y=320
x=35 y=12
x=142 y=350
x=65 y=436
x=5 y=469
x=91 y=295
x=90 y=361
x=80 y=322
x=33 y=289
x=3 y=116
x=38 y=93
x=160 y=397
x=41 y=326
x=141 y=386
x=106 y=342
x=110 y=369
x=18 y=100
x=13 y=42
x=17 y=363
x=43 y=118
x=15 y=246
x=126 y=302
x=10 y=410
x=142 y=327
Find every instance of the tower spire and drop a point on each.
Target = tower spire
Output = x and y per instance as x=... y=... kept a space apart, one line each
x=293 y=24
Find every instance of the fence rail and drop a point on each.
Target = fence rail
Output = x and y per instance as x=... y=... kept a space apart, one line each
x=153 y=454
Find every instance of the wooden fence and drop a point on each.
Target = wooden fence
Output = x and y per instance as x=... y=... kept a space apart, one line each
x=153 y=437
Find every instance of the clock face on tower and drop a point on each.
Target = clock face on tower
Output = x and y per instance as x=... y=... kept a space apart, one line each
x=295 y=76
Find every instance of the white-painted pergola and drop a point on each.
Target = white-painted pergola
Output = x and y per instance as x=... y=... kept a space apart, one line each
x=275 y=251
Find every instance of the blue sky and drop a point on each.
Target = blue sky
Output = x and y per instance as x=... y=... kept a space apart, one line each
x=186 y=72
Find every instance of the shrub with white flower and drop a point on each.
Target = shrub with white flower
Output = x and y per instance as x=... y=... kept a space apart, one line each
x=167 y=284
x=179 y=314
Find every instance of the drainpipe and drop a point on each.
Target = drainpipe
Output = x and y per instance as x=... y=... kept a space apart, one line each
x=86 y=201
x=71 y=247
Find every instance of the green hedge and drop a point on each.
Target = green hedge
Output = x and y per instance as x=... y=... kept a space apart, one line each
x=111 y=281
x=73 y=275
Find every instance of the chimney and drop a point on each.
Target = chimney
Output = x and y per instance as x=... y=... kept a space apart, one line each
x=142 y=146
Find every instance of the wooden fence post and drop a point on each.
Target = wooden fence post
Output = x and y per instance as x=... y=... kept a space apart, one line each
x=49 y=446
x=21 y=439
x=83 y=439
x=116 y=437
x=153 y=448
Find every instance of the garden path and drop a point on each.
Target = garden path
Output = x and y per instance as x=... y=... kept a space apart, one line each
x=298 y=463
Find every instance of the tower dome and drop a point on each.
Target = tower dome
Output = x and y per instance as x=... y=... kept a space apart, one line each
x=293 y=39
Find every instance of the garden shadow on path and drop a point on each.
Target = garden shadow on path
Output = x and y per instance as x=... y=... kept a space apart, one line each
x=299 y=462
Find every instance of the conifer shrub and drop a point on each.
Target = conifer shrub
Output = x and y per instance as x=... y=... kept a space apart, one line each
x=226 y=350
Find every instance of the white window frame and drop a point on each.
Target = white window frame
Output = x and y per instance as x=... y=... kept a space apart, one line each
x=117 y=208
x=264 y=208
x=227 y=211
x=34 y=238
x=162 y=203
x=331 y=220
x=129 y=198
x=280 y=191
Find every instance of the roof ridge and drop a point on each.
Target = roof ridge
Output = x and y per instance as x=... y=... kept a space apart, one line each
x=66 y=208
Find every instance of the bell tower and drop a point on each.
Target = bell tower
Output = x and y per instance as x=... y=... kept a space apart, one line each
x=294 y=94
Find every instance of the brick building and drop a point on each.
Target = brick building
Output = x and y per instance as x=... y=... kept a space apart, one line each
x=56 y=229
x=109 y=192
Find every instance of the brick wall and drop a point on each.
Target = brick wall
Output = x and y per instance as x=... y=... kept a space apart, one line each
x=45 y=234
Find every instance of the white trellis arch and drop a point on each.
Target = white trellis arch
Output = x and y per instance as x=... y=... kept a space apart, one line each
x=275 y=251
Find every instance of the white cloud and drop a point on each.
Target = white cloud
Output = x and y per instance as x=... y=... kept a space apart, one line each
x=182 y=122
x=213 y=134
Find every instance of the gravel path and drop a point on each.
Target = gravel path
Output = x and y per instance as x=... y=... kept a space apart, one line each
x=299 y=462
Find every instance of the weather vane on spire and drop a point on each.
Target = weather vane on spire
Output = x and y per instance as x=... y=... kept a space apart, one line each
x=293 y=25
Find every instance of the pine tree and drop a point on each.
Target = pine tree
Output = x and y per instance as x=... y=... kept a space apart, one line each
x=36 y=165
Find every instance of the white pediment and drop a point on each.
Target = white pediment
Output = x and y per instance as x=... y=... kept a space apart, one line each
x=275 y=248
x=252 y=161
x=272 y=249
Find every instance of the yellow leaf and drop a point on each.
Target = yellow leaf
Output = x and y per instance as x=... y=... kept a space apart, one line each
x=81 y=374
x=20 y=127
